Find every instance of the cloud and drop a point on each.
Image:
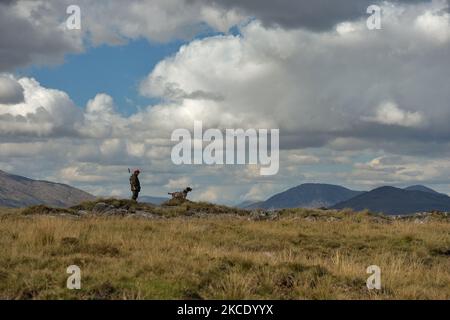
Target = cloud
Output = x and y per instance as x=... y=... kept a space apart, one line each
x=390 y=114
x=101 y=104
x=300 y=159
x=178 y=184
x=401 y=171
x=45 y=39
x=11 y=92
x=73 y=174
x=316 y=15
x=222 y=20
x=211 y=194
x=434 y=24
x=43 y=112
x=259 y=192
x=316 y=87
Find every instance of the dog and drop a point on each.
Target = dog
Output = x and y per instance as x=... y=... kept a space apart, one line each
x=181 y=195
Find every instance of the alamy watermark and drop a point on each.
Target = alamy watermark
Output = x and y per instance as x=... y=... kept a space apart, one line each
x=374 y=21
x=73 y=22
x=234 y=146
x=374 y=281
x=74 y=280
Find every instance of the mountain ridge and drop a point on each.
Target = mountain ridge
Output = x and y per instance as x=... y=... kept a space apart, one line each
x=18 y=191
x=307 y=195
x=392 y=200
x=419 y=187
x=152 y=199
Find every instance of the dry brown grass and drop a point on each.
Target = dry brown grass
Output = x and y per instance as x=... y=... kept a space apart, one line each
x=223 y=257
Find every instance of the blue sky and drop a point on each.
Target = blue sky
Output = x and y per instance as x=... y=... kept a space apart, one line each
x=115 y=70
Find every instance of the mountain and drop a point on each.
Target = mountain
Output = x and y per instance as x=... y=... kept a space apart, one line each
x=249 y=204
x=17 y=191
x=308 y=195
x=153 y=200
x=390 y=200
x=421 y=188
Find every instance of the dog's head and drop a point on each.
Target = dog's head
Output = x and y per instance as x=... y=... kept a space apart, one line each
x=188 y=189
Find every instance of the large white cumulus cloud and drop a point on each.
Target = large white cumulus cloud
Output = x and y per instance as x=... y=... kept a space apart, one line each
x=43 y=112
x=319 y=86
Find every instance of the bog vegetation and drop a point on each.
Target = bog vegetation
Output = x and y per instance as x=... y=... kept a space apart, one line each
x=202 y=251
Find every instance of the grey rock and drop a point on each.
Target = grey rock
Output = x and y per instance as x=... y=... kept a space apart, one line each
x=264 y=215
x=101 y=207
x=116 y=212
x=106 y=209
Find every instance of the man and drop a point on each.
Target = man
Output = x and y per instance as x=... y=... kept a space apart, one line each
x=135 y=184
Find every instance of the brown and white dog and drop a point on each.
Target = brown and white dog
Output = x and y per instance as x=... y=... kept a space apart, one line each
x=181 y=195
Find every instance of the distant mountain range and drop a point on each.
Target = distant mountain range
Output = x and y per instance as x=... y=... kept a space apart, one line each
x=249 y=204
x=308 y=195
x=390 y=200
x=17 y=191
x=153 y=200
x=421 y=188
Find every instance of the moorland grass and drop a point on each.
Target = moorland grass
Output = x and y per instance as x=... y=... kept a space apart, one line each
x=301 y=255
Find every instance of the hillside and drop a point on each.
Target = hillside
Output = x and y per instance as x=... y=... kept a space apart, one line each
x=17 y=191
x=421 y=188
x=308 y=195
x=390 y=200
x=249 y=204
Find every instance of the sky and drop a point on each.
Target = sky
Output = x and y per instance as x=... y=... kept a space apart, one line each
x=113 y=69
x=357 y=107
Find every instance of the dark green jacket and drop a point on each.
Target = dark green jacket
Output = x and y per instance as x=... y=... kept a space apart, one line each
x=134 y=182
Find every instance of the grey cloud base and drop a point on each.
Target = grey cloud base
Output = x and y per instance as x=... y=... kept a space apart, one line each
x=23 y=41
x=43 y=39
x=319 y=15
x=11 y=92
